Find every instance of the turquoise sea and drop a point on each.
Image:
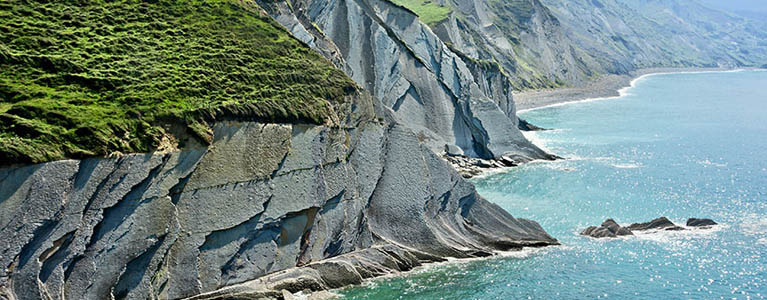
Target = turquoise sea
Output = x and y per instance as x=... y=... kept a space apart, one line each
x=676 y=145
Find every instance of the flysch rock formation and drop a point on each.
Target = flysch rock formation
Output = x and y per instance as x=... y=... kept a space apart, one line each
x=520 y=36
x=447 y=100
x=262 y=199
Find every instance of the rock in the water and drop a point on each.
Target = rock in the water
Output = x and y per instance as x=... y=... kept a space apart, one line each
x=526 y=126
x=608 y=229
x=659 y=223
x=695 y=222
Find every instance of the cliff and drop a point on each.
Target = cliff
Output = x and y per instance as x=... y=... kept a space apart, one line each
x=317 y=186
x=554 y=43
x=261 y=199
x=449 y=100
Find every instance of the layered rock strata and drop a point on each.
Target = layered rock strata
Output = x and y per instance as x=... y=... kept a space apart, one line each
x=262 y=198
x=447 y=99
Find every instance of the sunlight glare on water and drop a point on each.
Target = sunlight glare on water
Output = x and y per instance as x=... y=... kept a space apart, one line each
x=678 y=145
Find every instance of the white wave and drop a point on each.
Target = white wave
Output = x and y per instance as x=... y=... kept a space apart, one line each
x=528 y=252
x=490 y=172
x=666 y=236
x=627 y=166
x=520 y=254
x=534 y=138
x=621 y=92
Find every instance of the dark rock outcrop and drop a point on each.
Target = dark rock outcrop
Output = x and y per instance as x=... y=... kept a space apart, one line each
x=611 y=229
x=526 y=126
x=608 y=229
x=695 y=222
x=656 y=224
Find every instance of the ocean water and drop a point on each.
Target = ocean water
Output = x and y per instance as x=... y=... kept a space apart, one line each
x=675 y=145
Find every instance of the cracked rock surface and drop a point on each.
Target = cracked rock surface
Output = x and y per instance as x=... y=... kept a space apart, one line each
x=295 y=203
x=447 y=99
x=270 y=209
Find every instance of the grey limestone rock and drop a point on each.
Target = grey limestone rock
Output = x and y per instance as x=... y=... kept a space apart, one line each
x=355 y=203
x=272 y=207
x=445 y=98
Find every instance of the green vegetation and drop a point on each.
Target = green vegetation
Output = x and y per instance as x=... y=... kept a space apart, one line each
x=89 y=78
x=428 y=11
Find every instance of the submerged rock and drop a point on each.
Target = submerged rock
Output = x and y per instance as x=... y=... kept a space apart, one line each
x=695 y=222
x=608 y=229
x=659 y=223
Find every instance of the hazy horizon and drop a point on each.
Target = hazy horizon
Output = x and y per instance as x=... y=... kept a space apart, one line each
x=738 y=5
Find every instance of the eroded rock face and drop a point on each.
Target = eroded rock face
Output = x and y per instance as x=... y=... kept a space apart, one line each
x=446 y=99
x=261 y=199
x=361 y=197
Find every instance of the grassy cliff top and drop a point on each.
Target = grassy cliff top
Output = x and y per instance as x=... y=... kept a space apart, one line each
x=88 y=78
x=428 y=11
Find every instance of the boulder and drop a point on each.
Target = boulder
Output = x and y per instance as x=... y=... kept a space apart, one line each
x=695 y=222
x=608 y=229
x=508 y=161
x=659 y=223
x=483 y=163
x=453 y=150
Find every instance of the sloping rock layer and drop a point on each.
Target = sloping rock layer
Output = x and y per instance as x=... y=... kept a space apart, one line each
x=261 y=199
x=446 y=98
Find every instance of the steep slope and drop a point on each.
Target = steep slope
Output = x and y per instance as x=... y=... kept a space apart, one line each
x=449 y=100
x=554 y=43
x=81 y=80
x=653 y=33
x=522 y=36
x=274 y=198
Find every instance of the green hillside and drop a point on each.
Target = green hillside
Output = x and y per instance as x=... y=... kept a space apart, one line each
x=428 y=11
x=89 y=78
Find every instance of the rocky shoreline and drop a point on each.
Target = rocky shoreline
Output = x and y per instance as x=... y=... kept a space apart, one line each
x=470 y=167
x=606 y=86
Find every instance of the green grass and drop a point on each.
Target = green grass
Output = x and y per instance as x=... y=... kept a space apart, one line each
x=89 y=78
x=428 y=11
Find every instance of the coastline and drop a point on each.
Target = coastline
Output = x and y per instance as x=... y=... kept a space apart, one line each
x=606 y=87
x=610 y=86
